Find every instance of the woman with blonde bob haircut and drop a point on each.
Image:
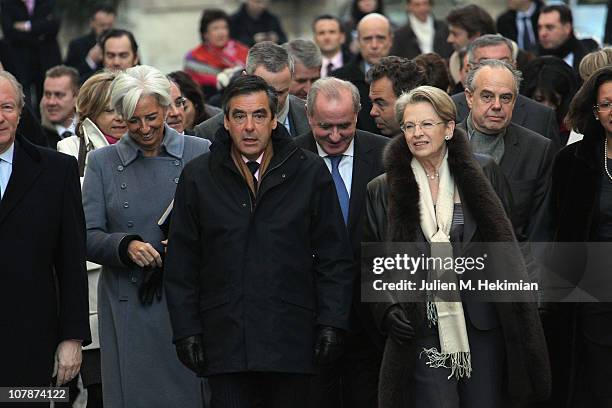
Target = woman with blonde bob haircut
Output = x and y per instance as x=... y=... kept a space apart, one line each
x=127 y=188
x=98 y=126
x=457 y=351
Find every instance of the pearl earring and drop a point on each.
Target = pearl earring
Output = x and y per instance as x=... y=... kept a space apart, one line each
x=447 y=137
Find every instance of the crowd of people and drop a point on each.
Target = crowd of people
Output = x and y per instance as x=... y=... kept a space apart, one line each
x=194 y=239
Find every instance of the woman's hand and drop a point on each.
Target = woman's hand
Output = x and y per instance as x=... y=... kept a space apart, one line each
x=143 y=254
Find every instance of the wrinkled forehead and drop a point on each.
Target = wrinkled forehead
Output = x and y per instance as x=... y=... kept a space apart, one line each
x=496 y=80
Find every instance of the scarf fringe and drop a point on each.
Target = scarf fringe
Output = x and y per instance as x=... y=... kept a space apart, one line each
x=460 y=363
x=432 y=314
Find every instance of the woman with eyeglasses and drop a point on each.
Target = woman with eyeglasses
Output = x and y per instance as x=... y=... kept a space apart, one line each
x=580 y=334
x=127 y=188
x=439 y=199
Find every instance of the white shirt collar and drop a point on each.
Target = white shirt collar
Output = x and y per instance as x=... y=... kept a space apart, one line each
x=71 y=128
x=336 y=60
x=350 y=150
x=7 y=156
x=528 y=13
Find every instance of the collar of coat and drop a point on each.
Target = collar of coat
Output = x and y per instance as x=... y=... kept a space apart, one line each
x=173 y=144
x=475 y=191
x=282 y=142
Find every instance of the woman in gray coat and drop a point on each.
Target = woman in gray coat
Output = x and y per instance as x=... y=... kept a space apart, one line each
x=127 y=188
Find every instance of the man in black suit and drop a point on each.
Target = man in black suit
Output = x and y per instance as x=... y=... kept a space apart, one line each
x=58 y=105
x=43 y=284
x=329 y=37
x=84 y=53
x=525 y=157
x=272 y=63
x=422 y=33
x=375 y=38
x=556 y=36
x=520 y=23
x=353 y=157
x=30 y=29
x=388 y=79
x=527 y=112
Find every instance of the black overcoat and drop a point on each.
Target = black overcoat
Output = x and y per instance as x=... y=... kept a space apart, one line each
x=43 y=278
x=255 y=277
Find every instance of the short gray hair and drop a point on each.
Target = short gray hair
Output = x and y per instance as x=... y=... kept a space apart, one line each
x=489 y=40
x=331 y=88
x=136 y=82
x=271 y=56
x=19 y=96
x=305 y=52
x=494 y=64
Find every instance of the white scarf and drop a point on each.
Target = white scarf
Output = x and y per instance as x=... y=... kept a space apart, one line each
x=449 y=317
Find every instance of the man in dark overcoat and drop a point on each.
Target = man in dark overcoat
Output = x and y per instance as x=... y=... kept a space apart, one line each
x=258 y=271
x=44 y=313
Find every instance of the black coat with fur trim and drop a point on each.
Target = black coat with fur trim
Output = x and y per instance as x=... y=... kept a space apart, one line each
x=392 y=214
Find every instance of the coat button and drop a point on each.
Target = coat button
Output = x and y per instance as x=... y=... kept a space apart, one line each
x=177 y=163
x=134 y=279
x=283 y=175
x=243 y=204
x=123 y=186
x=120 y=168
x=126 y=205
x=176 y=179
x=130 y=224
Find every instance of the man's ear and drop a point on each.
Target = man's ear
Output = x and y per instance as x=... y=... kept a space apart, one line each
x=468 y=97
x=274 y=123
x=225 y=122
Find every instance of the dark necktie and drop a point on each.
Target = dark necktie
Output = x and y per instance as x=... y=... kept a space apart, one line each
x=253 y=167
x=66 y=134
x=527 y=45
x=330 y=68
x=343 y=196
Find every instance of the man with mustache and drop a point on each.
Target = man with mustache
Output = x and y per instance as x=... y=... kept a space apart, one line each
x=259 y=268
x=525 y=157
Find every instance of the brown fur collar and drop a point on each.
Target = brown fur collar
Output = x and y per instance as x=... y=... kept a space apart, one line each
x=476 y=191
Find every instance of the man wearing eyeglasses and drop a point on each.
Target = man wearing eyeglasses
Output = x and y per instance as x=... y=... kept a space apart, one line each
x=526 y=112
x=353 y=157
x=525 y=157
x=176 y=111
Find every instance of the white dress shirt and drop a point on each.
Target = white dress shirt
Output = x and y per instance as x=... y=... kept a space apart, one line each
x=6 y=168
x=424 y=32
x=345 y=168
x=336 y=61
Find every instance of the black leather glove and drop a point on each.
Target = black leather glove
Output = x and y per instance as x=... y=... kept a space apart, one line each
x=190 y=351
x=150 y=285
x=397 y=325
x=329 y=345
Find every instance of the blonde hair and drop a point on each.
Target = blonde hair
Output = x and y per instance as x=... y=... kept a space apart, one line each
x=94 y=97
x=437 y=98
x=593 y=61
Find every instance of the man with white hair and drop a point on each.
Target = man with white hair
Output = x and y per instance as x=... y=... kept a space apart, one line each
x=353 y=157
x=43 y=285
x=375 y=38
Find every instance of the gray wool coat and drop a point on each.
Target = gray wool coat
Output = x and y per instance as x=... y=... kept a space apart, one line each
x=125 y=193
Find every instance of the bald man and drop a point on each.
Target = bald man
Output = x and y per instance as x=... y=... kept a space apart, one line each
x=375 y=38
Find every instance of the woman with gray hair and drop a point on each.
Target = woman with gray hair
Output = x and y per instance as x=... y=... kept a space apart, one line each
x=437 y=198
x=127 y=188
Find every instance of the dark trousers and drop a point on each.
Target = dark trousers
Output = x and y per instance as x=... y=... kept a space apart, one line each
x=352 y=381
x=259 y=390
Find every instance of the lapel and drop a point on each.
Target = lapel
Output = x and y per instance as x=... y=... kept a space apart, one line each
x=519 y=113
x=362 y=166
x=27 y=167
x=512 y=151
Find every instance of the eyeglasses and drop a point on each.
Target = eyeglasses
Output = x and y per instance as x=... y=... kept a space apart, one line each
x=179 y=102
x=409 y=128
x=603 y=107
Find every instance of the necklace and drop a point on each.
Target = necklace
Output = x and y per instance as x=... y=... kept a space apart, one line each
x=436 y=175
x=605 y=159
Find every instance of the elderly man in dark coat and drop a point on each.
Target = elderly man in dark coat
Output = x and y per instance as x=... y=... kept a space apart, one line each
x=43 y=280
x=258 y=271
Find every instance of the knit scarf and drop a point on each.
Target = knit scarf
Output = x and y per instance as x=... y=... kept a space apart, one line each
x=436 y=223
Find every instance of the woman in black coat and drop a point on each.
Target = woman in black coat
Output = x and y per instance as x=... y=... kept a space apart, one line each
x=450 y=353
x=581 y=201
